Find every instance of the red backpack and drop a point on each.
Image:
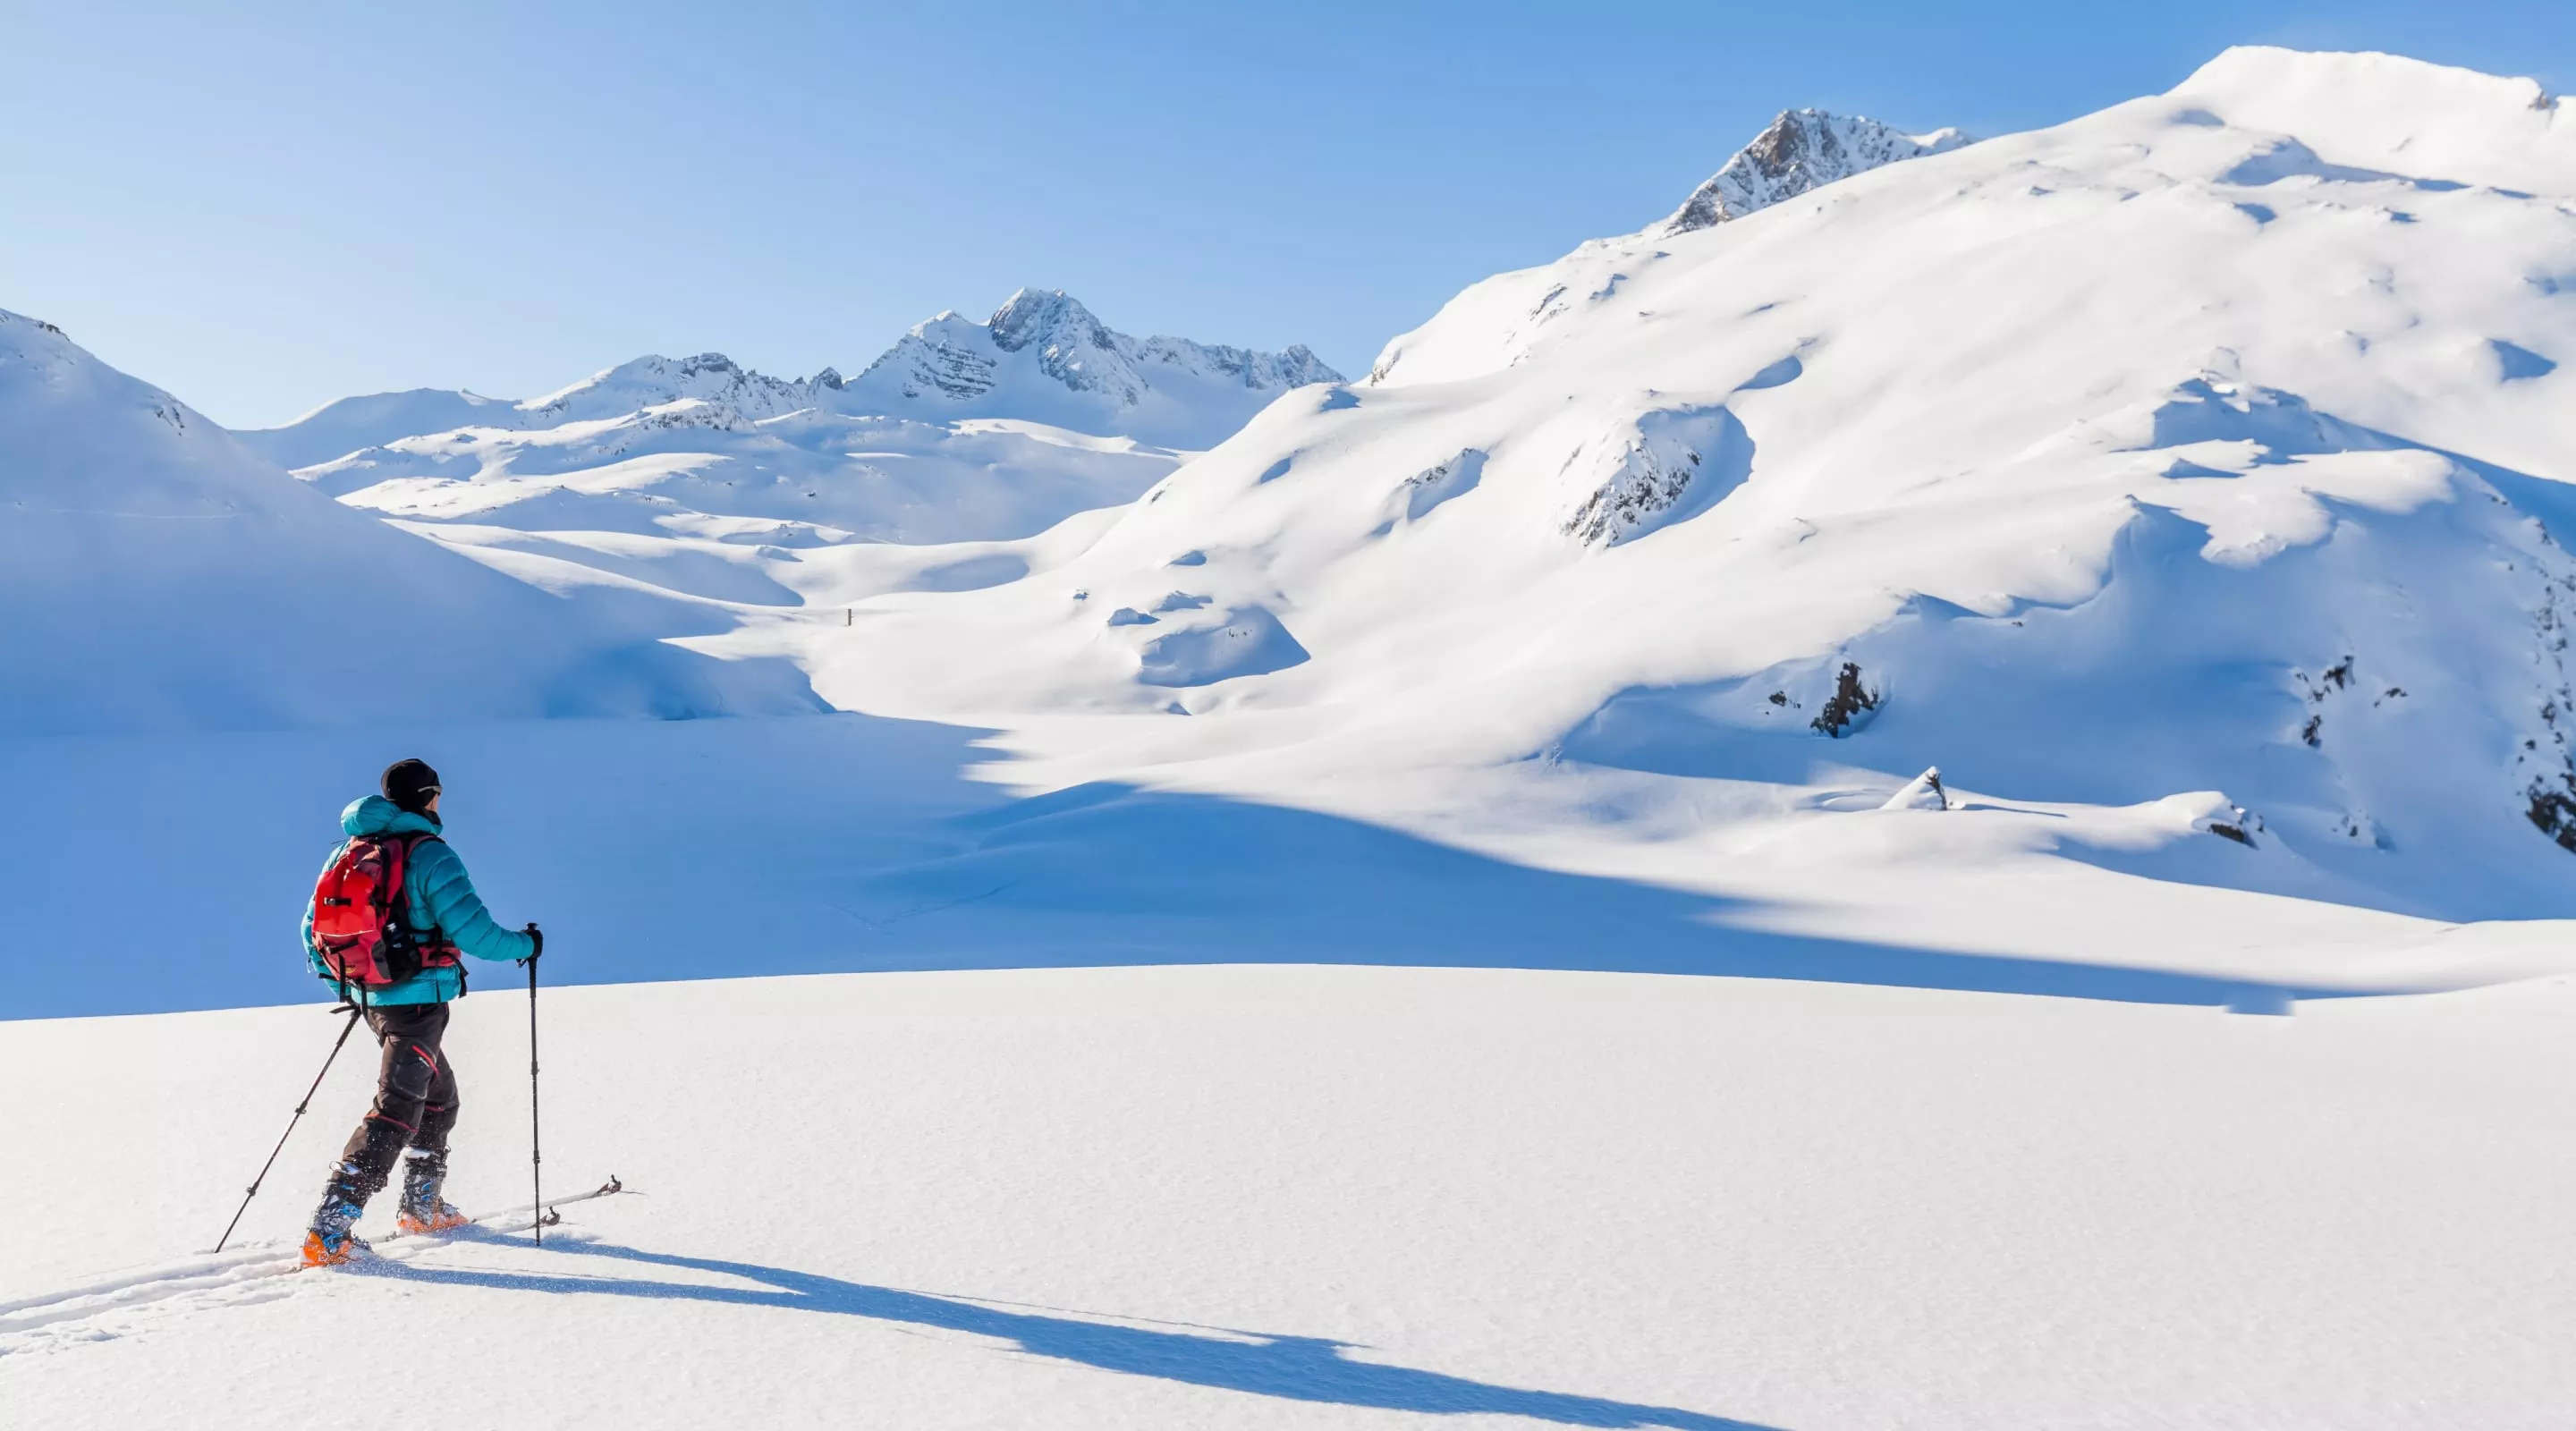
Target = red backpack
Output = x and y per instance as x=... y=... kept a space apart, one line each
x=360 y=920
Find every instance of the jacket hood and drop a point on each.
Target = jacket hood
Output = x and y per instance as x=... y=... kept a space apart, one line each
x=376 y=815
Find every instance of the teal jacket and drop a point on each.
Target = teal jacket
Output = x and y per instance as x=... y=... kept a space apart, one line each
x=441 y=897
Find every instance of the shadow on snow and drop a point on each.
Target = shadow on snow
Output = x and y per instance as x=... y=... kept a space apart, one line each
x=1068 y=879
x=1292 y=1368
x=707 y=849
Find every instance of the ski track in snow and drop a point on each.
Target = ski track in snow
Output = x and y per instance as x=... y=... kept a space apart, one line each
x=236 y=1277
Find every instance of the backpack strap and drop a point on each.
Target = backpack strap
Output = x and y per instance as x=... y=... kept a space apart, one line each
x=436 y=937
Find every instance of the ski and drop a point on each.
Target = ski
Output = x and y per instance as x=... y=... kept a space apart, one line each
x=547 y=1213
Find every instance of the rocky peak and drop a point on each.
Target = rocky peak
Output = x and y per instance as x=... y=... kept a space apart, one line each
x=1802 y=150
x=1049 y=317
x=961 y=361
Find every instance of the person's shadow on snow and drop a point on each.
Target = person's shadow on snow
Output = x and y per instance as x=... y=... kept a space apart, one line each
x=1296 y=1368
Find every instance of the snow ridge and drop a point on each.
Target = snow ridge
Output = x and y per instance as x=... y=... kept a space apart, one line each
x=1497 y=323
x=738 y=393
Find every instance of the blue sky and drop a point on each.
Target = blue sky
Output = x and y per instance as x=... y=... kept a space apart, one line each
x=269 y=207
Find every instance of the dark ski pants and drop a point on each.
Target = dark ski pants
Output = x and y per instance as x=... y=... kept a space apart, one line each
x=415 y=1099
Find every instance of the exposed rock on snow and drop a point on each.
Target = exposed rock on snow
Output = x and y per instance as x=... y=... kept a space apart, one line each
x=1674 y=465
x=1455 y=477
x=1803 y=149
x=2547 y=757
x=1849 y=705
x=1923 y=792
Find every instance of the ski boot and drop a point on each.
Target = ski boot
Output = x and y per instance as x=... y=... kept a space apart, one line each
x=423 y=1210
x=330 y=1241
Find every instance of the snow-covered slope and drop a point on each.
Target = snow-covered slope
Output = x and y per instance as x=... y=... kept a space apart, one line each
x=1498 y=319
x=157 y=574
x=348 y=424
x=2203 y=460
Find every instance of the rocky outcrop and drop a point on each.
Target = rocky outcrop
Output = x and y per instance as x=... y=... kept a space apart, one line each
x=1802 y=150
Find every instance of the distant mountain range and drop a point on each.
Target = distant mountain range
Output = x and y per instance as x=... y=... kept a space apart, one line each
x=1041 y=357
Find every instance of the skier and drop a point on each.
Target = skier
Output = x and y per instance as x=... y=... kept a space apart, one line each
x=400 y=967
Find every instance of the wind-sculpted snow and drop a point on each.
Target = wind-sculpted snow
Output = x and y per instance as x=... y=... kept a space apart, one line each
x=1245 y=642
x=2200 y=455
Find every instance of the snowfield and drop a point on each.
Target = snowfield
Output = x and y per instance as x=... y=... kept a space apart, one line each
x=1341 y=1197
x=1935 y=791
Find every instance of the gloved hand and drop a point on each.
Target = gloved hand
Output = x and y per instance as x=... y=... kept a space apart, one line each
x=539 y=935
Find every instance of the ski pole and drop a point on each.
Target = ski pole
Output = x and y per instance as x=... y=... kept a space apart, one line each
x=536 y=1155
x=290 y=1127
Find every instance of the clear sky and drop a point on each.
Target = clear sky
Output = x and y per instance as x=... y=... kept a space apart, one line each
x=271 y=206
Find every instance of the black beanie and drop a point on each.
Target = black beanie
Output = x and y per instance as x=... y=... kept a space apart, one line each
x=411 y=784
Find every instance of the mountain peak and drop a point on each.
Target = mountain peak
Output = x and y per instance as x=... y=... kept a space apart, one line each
x=1044 y=315
x=1802 y=149
x=1043 y=355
